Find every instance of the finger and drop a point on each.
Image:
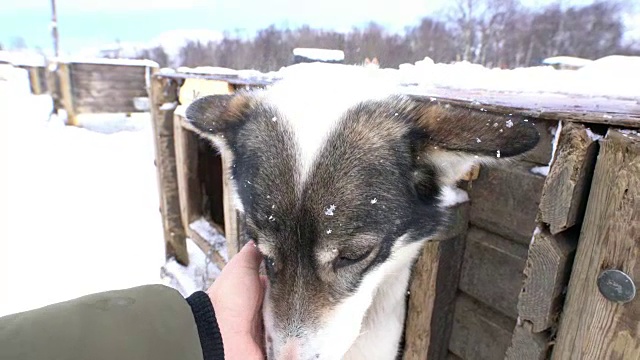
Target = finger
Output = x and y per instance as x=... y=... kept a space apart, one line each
x=249 y=257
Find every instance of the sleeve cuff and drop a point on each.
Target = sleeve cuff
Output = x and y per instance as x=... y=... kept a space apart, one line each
x=208 y=330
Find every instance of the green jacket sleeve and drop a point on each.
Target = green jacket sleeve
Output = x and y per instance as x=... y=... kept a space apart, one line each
x=147 y=322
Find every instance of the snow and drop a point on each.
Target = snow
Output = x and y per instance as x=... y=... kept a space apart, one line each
x=450 y=196
x=217 y=241
x=79 y=209
x=611 y=76
x=567 y=60
x=536 y=232
x=593 y=136
x=22 y=58
x=554 y=143
x=319 y=54
x=208 y=70
x=198 y=275
x=104 y=61
x=329 y=211
x=540 y=170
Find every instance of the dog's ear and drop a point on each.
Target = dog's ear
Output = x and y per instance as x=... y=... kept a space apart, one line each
x=218 y=115
x=454 y=137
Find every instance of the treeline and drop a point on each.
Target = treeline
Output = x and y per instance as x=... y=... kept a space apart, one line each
x=494 y=33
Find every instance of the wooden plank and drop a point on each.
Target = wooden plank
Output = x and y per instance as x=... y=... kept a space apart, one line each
x=189 y=189
x=190 y=90
x=492 y=270
x=478 y=332
x=526 y=345
x=564 y=194
x=554 y=107
x=452 y=356
x=541 y=154
x=432 y=293
x=66 y=93
x=593 y=327
x=504 y=200
x=162 y=123
x=546 y=275
x=230 y=213
x=195 y=88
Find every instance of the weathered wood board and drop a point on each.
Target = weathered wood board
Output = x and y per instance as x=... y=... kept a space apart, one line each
x=527 y=345
x=564 y=193
x=505 y=200
x=492 y=270
x=546 y=275
x=165 y=91
x=593 y=327
x=478 y=332
x=432 y=293
x=189 y=190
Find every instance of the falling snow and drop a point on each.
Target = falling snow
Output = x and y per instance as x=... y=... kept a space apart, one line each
x=329 y=211
x=478 y=140
x=498 y=153
x=509 y=123
x=374 y=200
x=329 y=231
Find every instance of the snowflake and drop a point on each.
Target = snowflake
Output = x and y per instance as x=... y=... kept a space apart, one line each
x=329 y=231
x=498 y=153
x=478 y=140
x=509 y=123
x=329 y=211
x=375 y=200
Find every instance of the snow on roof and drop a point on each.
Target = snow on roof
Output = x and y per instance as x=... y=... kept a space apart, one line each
x=567 y=60
x=22 y=58
x=319 y=54
x=610 y=77
x=104 y=61
x=208 y=70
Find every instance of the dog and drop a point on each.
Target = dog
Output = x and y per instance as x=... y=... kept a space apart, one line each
x=341 y=185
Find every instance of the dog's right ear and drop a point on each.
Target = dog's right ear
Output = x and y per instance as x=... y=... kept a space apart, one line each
x=218 y=115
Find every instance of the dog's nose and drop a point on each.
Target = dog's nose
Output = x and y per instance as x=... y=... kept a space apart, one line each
x=291 y=349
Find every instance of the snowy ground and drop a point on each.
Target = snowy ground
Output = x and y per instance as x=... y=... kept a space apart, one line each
x=79 y=207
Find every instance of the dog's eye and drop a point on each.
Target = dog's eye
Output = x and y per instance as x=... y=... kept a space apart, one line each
x=348 y=258
x=269 y=265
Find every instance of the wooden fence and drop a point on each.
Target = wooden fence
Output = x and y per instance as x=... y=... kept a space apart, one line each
x=504 y=285
x=104 y=86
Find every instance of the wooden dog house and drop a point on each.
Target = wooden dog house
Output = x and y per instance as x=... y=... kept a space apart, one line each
x=525 y=272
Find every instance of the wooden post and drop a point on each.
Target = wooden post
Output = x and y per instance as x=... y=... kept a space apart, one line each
x=189 y=190
x=66 y=92
x=593 y=327
x=552 y=246
x=564 y=194
x=163 y=101
x=432 y=293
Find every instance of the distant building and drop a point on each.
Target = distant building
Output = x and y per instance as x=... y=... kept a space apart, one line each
x=566 y=62
x=307 y=55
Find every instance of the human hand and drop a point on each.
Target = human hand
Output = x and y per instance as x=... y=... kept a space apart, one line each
x=237 y=296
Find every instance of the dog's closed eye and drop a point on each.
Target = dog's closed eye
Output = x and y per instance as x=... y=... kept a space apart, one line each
x=348 y=258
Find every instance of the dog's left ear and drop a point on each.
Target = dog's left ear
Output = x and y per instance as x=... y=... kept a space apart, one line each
x=218 y=115
x=454 y=137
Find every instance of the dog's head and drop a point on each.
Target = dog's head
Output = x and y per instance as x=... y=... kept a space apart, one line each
x=339 y=192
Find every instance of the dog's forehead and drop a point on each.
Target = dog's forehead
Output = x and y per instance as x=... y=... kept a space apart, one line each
x=345 y=181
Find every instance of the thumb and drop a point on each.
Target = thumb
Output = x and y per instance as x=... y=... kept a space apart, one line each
x=248 y=258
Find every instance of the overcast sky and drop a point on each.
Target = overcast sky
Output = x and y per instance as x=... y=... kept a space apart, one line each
x=87 y=23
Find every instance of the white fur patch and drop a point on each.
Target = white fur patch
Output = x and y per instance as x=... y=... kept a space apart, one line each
x=451 y=195
x=369 y=324
x=311 y=120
